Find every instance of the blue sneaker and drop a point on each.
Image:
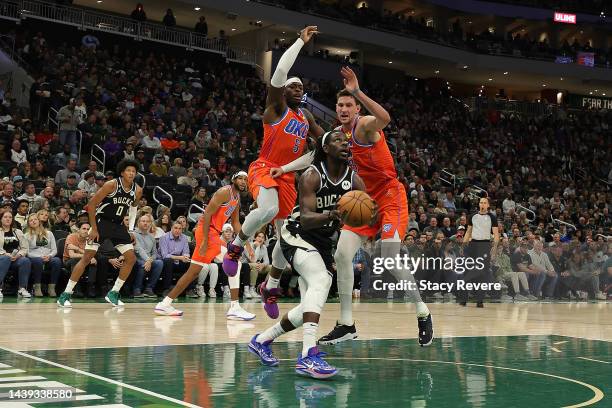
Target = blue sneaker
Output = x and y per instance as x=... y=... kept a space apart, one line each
x=314 y=366
x=263 y=351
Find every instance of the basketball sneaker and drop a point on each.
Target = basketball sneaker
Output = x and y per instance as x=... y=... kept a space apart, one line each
x=167 y=310
x=314 y=366
x=269 y=297
x=212 y=293
x=200 y=291
x=231 y=258
x=112 y=297
x=426 y=333
x=339 y=333
x=236 y=312
x=64 y=300
x=263 y=351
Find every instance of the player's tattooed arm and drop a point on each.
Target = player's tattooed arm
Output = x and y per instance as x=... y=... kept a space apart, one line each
x=314 y=129
x=309 y=217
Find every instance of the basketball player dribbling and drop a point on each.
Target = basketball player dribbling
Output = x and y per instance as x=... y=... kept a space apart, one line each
x=306 y=241
x=372 y=161
x=286 y=129
x=224 y=204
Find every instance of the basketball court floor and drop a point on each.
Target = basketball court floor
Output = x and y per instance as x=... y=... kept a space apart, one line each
x=505 y=355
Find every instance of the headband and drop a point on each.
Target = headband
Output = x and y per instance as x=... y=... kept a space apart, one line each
x=293 y=80
x=239 y=174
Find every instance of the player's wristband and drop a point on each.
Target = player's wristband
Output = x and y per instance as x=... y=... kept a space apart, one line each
x=355 y=92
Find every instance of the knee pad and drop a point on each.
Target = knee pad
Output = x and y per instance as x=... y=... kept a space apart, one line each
x=316 y=295
x=269 y=213
x=296 y=316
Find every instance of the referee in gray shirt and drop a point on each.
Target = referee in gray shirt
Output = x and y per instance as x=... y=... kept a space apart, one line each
x=482 y=226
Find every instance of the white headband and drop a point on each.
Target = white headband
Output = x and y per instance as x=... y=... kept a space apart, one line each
x=239 y=174
x=226 y=227
x=293 y=80
x=325 y=137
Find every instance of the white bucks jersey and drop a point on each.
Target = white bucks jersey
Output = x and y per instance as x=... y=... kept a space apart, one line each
x=115 y=206
x=327 y=196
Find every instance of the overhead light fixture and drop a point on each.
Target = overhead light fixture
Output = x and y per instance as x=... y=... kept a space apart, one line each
x=465 y=67
x=437 y=71
x=233 y=29
x=416 y=79
x=196 y=8
x=603 y=94
x=506 y=73
x=544 y=85
x=99 y=1
x=282 y=39
x=591 y=93
x=390 y=62
x=562 y=78
x=283 y=32
x=597 y=90
x=258 y=22
x=490 y=79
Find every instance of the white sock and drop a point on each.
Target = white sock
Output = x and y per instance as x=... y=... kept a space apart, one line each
x=70 y=286
x=422 y=309
x=310 y=337
x=117 y=286
x=167 y=301
x=272 y=283
x=234 y=303
x=238 y=241
x=346 y=310
x=247 y=289
x=270 y=334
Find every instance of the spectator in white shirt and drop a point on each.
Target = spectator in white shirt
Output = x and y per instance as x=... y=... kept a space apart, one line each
x=88 y=183
x=258 y=261
x=18 y=155
x=151 y=142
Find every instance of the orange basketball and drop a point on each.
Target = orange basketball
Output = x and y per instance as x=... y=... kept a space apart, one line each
x=356 y=208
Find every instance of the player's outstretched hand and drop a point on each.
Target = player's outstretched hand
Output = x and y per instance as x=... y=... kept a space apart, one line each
x=351 y=83
x=307 y=33
x=93 y=235
x=276 y=172
x=374 y=218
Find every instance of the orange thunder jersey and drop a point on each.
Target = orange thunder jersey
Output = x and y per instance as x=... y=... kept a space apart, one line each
x=373 y=163
x=284 y=140
x=223 y=213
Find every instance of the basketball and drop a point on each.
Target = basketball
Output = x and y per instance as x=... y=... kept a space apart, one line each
x=356 y=207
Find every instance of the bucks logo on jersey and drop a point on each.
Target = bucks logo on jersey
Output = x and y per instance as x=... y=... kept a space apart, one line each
x=115 y=206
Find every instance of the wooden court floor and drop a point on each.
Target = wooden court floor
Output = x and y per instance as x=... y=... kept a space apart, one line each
x=505 y=355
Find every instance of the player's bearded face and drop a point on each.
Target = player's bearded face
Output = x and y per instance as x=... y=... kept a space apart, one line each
x=293 y=94
x=346 y=109
x=240 y=183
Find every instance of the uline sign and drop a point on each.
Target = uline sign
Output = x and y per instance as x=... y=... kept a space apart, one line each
x=565 y=18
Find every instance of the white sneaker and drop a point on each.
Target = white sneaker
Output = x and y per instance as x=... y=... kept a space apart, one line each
x=24 y=293
x=254 y=294
x=506 y=298
x=247 y=292
x=226 y=292
x=212 y=293
x=1 y=295
x=532 y=298
x=520 y=298
x=163 y=310
x=236 y=312
x=438 y=296
x=600 y=296
x=390 y=294
x=200 y=290
x=448 y=296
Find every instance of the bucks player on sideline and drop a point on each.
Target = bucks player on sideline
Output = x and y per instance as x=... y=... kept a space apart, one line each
x=306 y=243
x=106 y=209
x=224 y=204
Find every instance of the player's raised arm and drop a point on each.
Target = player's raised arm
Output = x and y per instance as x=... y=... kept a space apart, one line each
x=380 y=117
x=275 y=101
x=221 y=196
x=308 y=185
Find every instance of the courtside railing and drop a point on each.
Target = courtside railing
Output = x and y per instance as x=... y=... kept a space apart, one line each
x=85 y=19
x=98 y=155
x=194 y=216
x=156 y=192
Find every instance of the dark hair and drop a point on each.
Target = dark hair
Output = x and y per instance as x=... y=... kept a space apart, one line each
x=125 y=163
x=23 y=200
x=81 y=223
x=345 y=92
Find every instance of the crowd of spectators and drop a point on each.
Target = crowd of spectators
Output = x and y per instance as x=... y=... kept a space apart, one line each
x=191 y=125
x=460 y=34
